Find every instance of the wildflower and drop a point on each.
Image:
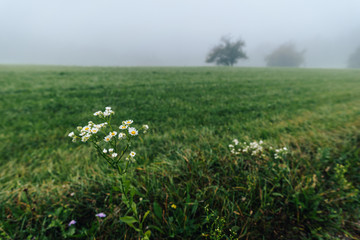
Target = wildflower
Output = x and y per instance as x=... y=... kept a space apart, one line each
x=94 y=130
x=104 y=151
x=112 y=133
x=79 y=128
x=71 y=134
x=123 y=127
x=231 y=146
x=236 y=142
x=85 y=138
x=98 y=113
x=86 y=129
x=72 y=222
x=101 y=215
x=133 y=131
x=111 y=150
x=107 y=138
x=173 y=206
x=132 y=154
x=114 y=155
x=145 y=127
x=122 y=135
x=128 y=122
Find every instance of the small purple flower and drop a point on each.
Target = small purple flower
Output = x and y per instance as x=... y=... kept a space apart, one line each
x=101 y=215
x=72 y=222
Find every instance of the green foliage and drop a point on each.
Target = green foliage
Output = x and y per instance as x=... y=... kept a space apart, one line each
x=227 y=53
x=187 y=184
x=285 y=56
x=354 y=59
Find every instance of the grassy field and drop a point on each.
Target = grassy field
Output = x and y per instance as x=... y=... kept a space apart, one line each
x=184 y=160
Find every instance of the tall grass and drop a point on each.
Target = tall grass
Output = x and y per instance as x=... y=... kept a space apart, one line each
x=193 y=113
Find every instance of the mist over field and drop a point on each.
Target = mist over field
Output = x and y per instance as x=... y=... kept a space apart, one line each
x=173 y=33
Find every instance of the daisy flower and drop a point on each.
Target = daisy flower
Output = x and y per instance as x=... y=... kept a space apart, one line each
x=133 y=131
x=123 y=127
x=107 y=138
x=104 y=151
x=111 y=150
x=94 y=130
x=146 y=127
x=114 y=155
x=132 y=154
x=122 y=135
x=98 y=113
x=112 y=133
x=71 y=134
x=128 y=122
x=86 y=129
x=85 y=138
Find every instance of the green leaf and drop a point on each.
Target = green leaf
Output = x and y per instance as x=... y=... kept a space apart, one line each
x=157 y=210
x=128 y=219
x=145 y=215
x=277 y=194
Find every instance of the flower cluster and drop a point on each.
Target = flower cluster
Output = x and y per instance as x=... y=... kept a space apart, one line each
x=106 y=113
x=254 y=148
x=279 y=153
x=104 y=137
x=86 y=132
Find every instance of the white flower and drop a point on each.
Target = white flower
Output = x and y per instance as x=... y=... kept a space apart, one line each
x=104 y=151
x=132 y=154
x=128 y=122
x=107 y=138
x=107 y=108
x=122 y=135
x=85 y=138
x=94 y=130
x=112 y=133
x=123 y=127
x=111 y=150
x=133 y=131
x=98 y=113
x=86 y=129
x=146 y=127
x=231 y=146
x=236 y=142
x=114 y=155
x=71 y=134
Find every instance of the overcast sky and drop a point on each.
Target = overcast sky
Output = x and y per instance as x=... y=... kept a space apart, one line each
x=173 y=32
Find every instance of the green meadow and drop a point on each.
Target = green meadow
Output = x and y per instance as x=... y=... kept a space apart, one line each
x=184 y=173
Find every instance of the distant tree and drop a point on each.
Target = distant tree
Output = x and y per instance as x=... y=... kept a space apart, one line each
x=285 y=56
x=227 y=52
x=354 y=59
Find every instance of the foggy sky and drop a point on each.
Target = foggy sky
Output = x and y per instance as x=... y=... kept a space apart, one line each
x=173 y=32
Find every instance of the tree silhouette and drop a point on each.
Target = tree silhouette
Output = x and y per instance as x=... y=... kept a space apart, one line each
x=285 y=56
x=227 y=52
